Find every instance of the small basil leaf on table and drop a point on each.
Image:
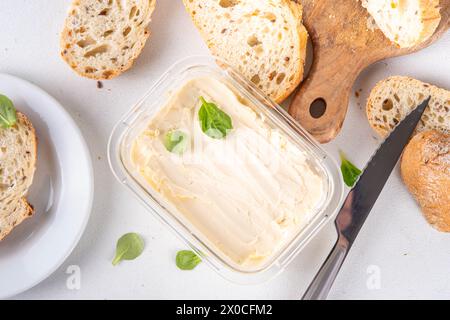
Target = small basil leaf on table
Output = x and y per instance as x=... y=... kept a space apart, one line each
x=187 y=260
x=8 y=116
x=214 y=122
x=350 y=172
x=129 y=247
x=176 y=141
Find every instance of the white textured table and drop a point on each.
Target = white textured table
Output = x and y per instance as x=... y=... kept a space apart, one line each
x=397 y=255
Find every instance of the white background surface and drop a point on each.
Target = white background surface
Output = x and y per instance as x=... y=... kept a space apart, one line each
x=413 y=259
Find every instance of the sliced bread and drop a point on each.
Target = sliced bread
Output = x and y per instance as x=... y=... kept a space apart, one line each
x=405 y=22
x=18 y=153
x=425 y=168
x=14 y=215
x=102 y=38
x=265 y=40
x=392 y=99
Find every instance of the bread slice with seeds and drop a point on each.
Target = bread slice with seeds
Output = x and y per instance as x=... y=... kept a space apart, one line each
x=392 y=99
x=405 y=22
x=102 y=38
x=18 y=153
x=263 y=39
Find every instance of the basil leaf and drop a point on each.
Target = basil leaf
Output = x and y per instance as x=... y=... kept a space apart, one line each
x=176 y=142
x=350 y=172
x=214 y=122
x=187 y=260
x=129 y=247
x=8 y=116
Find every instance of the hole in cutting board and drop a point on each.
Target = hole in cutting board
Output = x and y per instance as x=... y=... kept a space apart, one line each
x=318 y=108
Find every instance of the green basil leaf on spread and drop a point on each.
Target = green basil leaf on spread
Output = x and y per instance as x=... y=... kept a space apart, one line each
x=176 y=141
x=214 y=122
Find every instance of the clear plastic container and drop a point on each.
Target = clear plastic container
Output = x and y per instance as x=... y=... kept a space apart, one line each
x=134 y=122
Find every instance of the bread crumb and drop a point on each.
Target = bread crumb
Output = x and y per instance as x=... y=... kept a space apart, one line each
x=99 y=84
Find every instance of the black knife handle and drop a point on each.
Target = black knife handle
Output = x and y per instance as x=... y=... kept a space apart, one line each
x=324 y=279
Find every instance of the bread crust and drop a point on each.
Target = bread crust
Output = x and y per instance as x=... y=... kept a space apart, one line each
x=431 y=17
x=27 y=209
x=27 y=213
x=370 y=106
x=425 y=169
x=373 y=106
x=23 y=118
x=111 y=73
x=297 y=11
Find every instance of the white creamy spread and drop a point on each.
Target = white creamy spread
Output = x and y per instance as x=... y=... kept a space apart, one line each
x=248 y=194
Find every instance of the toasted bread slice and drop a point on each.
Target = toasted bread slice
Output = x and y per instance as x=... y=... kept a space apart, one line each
x=18 y=154
x=392 y=99
x=425 y=168
x=405 y=22
x=102 y=38
x=263 y=39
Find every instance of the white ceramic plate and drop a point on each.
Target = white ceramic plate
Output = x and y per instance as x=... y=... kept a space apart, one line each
x=61 y=193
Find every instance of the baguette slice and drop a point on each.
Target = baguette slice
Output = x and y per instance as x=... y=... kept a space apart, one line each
x=392 y=99
x=263 y=39
x=405 y=22
x=425 y=168
x=18 y=153
x=102 y=38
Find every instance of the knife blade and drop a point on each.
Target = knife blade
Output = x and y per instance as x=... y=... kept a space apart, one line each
x=361 y=200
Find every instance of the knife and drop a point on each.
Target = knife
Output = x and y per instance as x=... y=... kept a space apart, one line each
x=360 y=201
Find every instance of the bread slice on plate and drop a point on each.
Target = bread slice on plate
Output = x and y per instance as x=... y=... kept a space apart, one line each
x=405 y=22
x=392 y=99
x=14 y=215
x=264 y=40
x=102 y=38
x=18 y=154
x=425 y=168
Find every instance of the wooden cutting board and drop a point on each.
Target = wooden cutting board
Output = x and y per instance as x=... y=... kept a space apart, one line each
x=343 y=46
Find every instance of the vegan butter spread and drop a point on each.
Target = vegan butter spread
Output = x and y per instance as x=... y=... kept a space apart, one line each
x=246 y=195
